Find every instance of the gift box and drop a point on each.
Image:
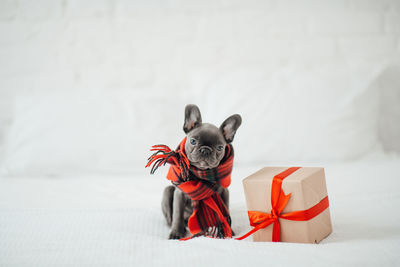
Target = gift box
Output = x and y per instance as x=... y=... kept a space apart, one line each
x=288 y=204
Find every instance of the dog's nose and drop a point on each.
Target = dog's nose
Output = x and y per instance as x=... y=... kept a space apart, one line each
x=205 y=150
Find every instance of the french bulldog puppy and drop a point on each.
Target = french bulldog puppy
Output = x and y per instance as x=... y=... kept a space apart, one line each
x=205 y=148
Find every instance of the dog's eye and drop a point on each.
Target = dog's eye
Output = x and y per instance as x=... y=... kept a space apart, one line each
x=219 y=148
x=193 y=141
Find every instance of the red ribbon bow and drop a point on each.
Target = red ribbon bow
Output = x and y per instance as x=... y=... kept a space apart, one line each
x=278 y=202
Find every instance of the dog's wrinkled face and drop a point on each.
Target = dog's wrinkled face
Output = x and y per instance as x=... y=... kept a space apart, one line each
x=205 y=146
x=206 y=143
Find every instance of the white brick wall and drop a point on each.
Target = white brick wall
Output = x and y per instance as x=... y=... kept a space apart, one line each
x=180 y=44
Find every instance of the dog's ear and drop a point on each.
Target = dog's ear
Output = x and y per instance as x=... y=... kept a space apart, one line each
x=229 y=127
x=192 y=118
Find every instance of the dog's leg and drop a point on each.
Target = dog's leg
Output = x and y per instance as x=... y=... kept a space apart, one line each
x=178 y=228
x=225 y=198
x=166 y=203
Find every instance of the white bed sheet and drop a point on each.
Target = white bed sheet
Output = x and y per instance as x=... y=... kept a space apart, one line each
x=116 y=220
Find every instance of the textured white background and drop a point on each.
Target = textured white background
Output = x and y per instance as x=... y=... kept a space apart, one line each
x=90 y=85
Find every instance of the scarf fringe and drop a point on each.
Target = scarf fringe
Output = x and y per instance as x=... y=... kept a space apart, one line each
x=218 y=231
x=164 y=154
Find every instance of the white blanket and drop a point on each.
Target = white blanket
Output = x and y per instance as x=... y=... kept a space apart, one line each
x=113 y=220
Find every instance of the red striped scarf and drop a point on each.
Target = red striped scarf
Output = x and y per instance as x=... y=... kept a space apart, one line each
x=210 y=215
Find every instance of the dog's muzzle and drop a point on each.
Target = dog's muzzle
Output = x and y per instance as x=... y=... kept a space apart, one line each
x=205 y=151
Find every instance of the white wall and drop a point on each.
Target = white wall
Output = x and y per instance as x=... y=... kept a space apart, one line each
x=178 y=50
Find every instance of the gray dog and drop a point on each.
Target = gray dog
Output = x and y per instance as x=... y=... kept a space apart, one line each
x=205 y=148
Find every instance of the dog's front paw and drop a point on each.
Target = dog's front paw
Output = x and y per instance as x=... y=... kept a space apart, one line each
x=176 y=234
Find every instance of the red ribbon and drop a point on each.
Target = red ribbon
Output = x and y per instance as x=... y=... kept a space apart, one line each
x=279 y=200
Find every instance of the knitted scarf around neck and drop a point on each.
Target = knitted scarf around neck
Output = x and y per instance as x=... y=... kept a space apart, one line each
x=210 y=215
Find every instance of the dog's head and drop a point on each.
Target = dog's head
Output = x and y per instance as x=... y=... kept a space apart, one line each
x=205 y=143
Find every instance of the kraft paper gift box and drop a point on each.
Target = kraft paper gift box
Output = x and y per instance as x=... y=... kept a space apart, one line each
x=305 y=191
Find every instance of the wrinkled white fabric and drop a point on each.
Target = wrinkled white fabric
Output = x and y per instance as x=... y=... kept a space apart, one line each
x=328 y=113
x=117 y=221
